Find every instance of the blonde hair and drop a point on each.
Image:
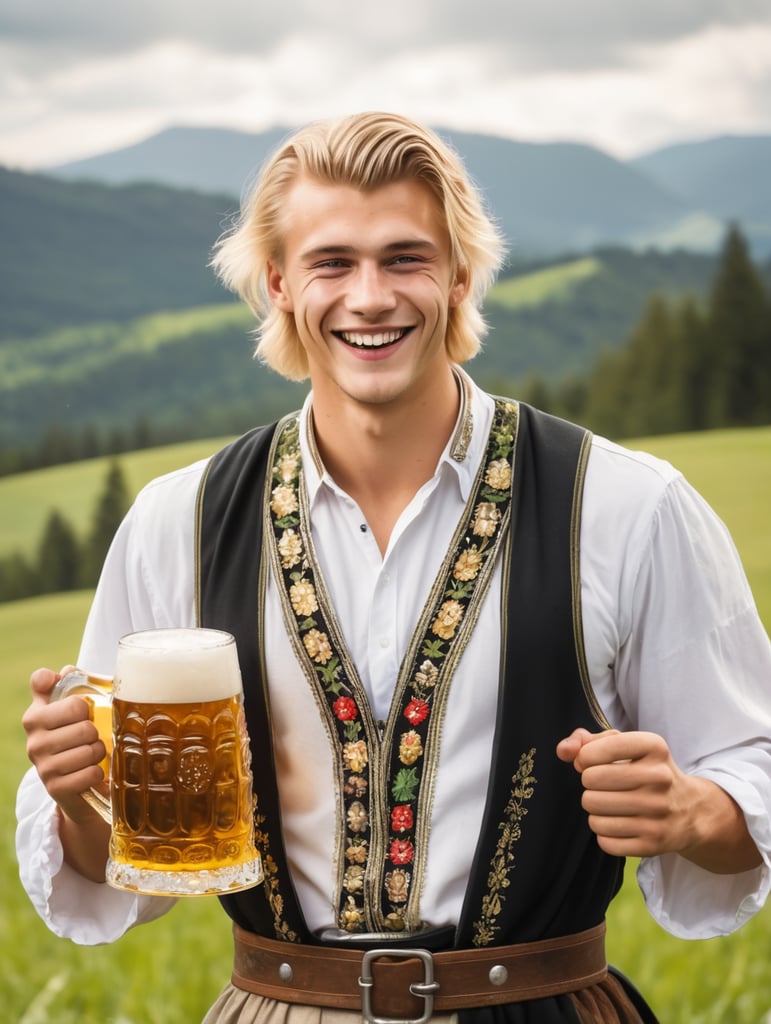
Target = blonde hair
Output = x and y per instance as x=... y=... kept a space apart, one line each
x=364 y=151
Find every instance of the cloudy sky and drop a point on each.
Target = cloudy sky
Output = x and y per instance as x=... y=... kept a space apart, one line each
x=79 y=77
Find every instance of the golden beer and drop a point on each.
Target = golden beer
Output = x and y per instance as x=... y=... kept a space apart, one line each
x=181 y=785
x=180 y=777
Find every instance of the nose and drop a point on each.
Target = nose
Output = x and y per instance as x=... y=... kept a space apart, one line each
x=370 y=291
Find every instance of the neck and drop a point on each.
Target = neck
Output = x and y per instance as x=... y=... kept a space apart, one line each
x=381 y=455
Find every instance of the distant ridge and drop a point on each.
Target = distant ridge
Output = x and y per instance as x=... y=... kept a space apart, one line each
x=80 y=252
x=554 y=197
x=728 y=176
x=549 y=198
x=215 y=160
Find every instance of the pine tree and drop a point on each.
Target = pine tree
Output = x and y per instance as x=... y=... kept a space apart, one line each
x=570 y=399
x=608 y=394
x=692 y=347
x=534 y=391
x=58 y=556
x=110 y=510
x=740 y=339
x=18 y=578
x=652 y=369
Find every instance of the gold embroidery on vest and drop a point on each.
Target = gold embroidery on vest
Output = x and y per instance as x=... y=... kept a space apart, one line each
x=523 y=783
x=271 y=883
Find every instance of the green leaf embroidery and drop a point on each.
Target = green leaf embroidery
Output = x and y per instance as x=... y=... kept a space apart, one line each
x=433 y=649
x=404 y=785
x=286 y=521
x=489 y=494
x=352 y=730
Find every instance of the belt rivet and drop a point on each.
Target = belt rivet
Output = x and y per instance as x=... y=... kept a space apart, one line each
x=285 y=972
x=498 y=975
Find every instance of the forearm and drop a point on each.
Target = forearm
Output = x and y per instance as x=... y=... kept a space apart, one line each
x=720 y=841
x=85 y=845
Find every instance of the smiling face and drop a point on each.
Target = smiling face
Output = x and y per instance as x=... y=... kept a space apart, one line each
x=369 y=280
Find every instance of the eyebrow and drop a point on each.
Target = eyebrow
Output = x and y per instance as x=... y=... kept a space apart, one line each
x=406 y=244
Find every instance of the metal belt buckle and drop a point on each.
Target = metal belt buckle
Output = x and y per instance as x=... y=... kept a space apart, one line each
x=424 y=989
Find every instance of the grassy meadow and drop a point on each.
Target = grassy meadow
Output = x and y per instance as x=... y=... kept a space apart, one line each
x=66 y=355
x=170 y=971
x=26 y=499
x=556 y=284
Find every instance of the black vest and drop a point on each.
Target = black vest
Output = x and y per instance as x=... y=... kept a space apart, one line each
x=538 y=871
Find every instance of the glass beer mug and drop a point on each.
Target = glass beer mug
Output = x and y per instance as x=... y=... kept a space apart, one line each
x=180 y=780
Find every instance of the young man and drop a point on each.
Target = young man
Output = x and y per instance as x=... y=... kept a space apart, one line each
x=485 y=656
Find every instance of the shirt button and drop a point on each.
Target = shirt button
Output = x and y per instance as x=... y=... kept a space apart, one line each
x=384 y=642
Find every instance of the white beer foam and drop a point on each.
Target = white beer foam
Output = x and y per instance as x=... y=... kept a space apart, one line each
x=176 y=666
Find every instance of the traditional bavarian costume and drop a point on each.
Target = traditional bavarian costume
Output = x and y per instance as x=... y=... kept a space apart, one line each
x=528 y=944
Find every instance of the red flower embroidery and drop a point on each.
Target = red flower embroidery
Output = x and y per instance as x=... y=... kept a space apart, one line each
x=345 y=709
x=401 y=819
x=416 y=711
x=402 y=851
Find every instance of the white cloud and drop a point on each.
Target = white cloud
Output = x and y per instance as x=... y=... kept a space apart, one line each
x=564 y=31
x=625 y=79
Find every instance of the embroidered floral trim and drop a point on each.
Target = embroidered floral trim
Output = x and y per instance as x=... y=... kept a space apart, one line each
x=393 y=821
x=502 y=863
x=476 y=546
x=334 y=680
x=271 y=882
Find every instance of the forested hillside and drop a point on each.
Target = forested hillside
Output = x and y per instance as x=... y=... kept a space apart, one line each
x=555 y=320
x=76 y=253
x=191 y=373
x=114 y=333
x=687 y=365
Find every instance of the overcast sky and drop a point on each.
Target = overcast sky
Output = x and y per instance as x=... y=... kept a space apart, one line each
x=79 y=77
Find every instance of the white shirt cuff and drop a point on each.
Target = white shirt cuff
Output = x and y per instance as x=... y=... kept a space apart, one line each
x=692 y=903
x=88 y=913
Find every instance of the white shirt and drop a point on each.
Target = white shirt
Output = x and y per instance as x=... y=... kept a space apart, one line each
x=673 y=642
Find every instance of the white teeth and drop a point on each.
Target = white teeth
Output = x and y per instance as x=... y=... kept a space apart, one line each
x=371 y=340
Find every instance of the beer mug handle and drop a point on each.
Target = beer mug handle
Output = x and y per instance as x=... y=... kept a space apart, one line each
x=96 y=692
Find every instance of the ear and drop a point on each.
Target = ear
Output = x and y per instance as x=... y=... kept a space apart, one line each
x=277 y=289
x=459 y=288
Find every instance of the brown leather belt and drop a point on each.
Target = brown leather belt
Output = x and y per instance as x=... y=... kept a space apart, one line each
x=389 y=985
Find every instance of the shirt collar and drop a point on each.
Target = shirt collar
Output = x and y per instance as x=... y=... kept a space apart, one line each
x=461 y=456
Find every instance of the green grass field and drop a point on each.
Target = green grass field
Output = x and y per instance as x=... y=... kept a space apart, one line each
x=166 y=973
x=552 y=284
x=26 y=499
x=64 y=355
x=732 y=469
x=169 y=972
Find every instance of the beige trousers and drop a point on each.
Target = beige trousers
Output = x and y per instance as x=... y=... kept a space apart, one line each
x=237 y=1007
x=604 y=1003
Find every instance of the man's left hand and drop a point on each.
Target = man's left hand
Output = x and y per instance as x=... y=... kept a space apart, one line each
x=640 y=804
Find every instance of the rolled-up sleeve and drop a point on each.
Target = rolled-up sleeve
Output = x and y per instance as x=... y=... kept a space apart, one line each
x=146 y=581
x=88 y=913
x=685 y=655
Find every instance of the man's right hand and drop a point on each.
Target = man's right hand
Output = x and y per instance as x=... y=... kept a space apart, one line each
x=64 y=746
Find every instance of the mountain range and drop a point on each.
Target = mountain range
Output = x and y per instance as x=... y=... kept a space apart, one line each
x=549 y=198
x=81 y=252
x=110 y=314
